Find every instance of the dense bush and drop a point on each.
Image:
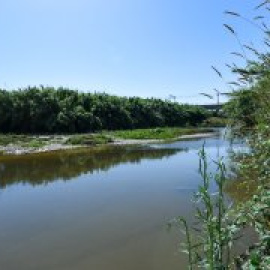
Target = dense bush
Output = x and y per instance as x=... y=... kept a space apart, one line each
x=250 y=106
x=50 y=110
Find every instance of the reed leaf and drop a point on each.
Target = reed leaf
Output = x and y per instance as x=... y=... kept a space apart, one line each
x=217 y=71
x=229 y=28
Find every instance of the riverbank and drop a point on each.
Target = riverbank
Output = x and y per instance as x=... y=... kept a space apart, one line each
x=149 y=141
x=30 y=144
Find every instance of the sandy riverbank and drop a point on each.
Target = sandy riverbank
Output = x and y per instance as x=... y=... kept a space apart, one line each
x=183 y=137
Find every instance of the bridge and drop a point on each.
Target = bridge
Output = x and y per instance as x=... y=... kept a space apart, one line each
x=213 y=107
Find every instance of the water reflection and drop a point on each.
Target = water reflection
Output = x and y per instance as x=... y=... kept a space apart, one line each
x=47 y=167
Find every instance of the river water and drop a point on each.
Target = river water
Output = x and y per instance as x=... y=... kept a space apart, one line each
x=102 y=209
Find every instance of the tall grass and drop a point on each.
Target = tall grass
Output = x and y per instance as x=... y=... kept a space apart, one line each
x=209 y=241
x=218 y=225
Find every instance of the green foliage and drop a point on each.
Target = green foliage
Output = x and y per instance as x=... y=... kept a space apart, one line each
x=209 y=241
x=254 y=211
x=215 y=122
x=88 y=139
x=158 y=133
x=250 y=107
x=34 y=144
x=242 y=107
x=61 y=110
x=22 y=140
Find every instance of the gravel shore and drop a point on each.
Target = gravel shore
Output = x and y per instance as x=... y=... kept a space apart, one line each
x=19 y=150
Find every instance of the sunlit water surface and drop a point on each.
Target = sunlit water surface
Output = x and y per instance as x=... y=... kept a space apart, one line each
x=104 y=209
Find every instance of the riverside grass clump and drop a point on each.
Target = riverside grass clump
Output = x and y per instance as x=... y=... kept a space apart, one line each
x=162 y=133
x=22 y=140
x=88 y=139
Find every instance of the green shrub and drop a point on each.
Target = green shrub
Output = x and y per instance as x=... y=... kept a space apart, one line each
x=90 y=139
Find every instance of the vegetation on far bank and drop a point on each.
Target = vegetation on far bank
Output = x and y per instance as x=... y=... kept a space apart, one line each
x=47 y=110
x=215 y=121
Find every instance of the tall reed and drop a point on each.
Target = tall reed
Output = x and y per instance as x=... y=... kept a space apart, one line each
x=210 y=238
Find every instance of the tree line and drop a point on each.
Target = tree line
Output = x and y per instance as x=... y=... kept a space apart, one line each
x=61 y=110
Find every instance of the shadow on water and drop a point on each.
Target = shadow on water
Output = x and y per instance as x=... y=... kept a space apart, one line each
x=44 y=168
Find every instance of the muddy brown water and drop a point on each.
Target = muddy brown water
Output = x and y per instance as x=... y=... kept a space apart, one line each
x=104 y=209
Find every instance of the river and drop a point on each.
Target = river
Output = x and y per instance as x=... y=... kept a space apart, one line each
x=102 y=209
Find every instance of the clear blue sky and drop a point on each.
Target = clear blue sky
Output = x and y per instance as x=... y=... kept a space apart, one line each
x=123 y=47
